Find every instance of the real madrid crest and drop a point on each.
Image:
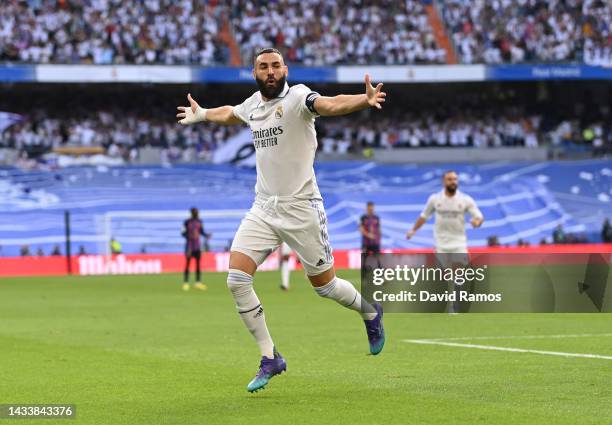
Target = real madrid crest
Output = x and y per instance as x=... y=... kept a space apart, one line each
x=279 y=112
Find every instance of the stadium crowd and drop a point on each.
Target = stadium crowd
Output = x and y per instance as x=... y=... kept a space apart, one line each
x=316 y=32
x=312 y=32
x=531 y=30
x=111 y=31
x=123 y=138
x=431 y=131
x=478 y=130
x=309 y=32
x=120 y=138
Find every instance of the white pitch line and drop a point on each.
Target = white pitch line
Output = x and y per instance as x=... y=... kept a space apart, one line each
x=514 y=350
x=559 y=336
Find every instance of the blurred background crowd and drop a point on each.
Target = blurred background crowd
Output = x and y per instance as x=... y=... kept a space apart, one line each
x=309 y=32
x=123 y=120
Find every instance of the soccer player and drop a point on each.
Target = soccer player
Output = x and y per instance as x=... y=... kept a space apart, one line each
x=369 y=228
x=285 y=255
x=288 y=206
x=193 y=230
x=450 y=206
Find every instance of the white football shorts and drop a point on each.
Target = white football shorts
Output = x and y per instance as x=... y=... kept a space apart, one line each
x=301 y=223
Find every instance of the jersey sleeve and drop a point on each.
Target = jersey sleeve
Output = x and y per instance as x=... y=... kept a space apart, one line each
x=242 y=111
x=429 y=208
x=472 y=208
x=304 y=101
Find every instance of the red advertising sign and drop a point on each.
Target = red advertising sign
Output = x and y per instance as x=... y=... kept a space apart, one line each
x=219 y=261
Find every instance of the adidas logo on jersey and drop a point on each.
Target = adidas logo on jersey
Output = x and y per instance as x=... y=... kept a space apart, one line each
x=320 y=263
x=259 y=312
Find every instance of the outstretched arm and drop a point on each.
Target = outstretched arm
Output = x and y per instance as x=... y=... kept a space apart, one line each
x=476 y=215
x=429 y=209
x=476 y=221
x=347 y=103
x=194 y=113
x=417 y=225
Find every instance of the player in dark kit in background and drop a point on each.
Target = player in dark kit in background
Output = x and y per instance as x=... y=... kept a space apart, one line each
x=369 y=227
x=193 y=229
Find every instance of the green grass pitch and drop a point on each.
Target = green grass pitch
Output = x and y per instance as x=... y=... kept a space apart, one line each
x=138 y=350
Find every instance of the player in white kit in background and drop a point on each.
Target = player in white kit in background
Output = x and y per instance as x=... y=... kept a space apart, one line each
x=288 y=206
x=450 y=206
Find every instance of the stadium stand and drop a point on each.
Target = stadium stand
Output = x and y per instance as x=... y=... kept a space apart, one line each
x=312 y=32
x=187 y=32
x=122 y=132
x=121 y=138
x=521 y=202
x=516 y=31
x=112 y=31
x=318 y=32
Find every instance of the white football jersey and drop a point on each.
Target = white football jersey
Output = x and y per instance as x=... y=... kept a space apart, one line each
x=285 y=142
x=449 y=230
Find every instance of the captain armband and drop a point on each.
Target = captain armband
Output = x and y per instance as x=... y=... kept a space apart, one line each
x=310 y=101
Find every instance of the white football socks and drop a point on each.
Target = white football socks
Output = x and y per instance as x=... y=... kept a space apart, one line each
x=250 y=309
x=345 y=294
x=284 y=268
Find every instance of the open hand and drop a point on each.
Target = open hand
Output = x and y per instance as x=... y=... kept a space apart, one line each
x=191 y=114
x=374 y=94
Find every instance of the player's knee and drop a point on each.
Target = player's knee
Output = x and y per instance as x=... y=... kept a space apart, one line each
x=245 y=263
x=326 y=289
x=323 y=278
x=238 y=281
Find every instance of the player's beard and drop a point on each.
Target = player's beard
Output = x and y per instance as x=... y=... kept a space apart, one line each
x=452 y=188
x=271 y=92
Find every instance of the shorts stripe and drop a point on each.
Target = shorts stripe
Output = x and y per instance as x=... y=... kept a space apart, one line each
x=323 y=229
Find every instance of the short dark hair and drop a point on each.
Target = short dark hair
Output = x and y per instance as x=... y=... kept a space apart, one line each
x=370 y=203
x=267 y=50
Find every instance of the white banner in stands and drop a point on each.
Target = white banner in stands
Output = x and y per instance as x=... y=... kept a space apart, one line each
x=412 y=74
x=7 y=119
x=237 y=150
x=112 y=74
